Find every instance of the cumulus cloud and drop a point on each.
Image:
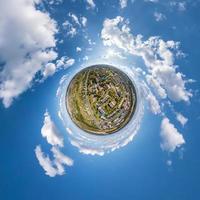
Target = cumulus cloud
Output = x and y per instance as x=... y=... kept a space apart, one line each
x=55 y=166
x=182 y=119
x=163 y=79
x=27 y=36
x=171 y=138
x=62 y=63
x=156 y=86
x=157 y=54
x=153 y=103
x=50 y=131
x=49 y=69
x=123 y=3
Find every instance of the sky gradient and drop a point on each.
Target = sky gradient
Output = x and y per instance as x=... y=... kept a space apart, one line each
x=43 y=44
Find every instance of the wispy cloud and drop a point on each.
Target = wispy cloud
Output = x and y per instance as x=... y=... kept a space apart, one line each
x=70 y=28
x=179 y=5
x=123 y=3
x=74 y=24
x=91 y=4
x=55 y=166
x=159 y=16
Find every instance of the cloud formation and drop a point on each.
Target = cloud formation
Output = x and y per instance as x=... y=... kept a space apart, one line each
x=74 y=24
x=156 y=53
x=171 y=138
x=91 y=4
x=27 y=39
x=55 y=166
x=182 y=119
x=123 y=3
x=50 y=131
x=63 y=63
x=159 y=16
x=163 y=80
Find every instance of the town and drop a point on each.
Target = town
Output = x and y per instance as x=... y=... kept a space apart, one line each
x=101 y=99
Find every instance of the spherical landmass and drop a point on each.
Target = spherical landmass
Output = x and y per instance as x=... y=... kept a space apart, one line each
x=101 y=99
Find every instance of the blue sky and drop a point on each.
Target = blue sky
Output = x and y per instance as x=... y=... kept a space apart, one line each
x=43 y=42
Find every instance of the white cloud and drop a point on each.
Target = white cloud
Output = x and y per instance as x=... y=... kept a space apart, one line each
x=54 y=2
x=153 y=103
x=50 y=131
x=181 y=5
x=183 y=120
x=161 y=92
x=112 y=53
x=69 y=62
x=49 y=69
x=45 y=162
x=78 y=49
x=169 y=162
x=26 y=41
x=157 y=55
x=74 y=18
x=123 y=3
x=64 y=62
x=61 y=158
x=153 y=1
x=71 y=30
x=85 y=58
x=171 y=138
x=91 y=3
x=74 y=25
x=56 y=166
x=84 y=21
x=159 y=16
x=86 y=150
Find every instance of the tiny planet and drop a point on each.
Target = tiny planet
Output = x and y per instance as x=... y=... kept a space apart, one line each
x=101 y=99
